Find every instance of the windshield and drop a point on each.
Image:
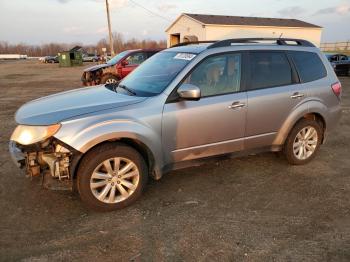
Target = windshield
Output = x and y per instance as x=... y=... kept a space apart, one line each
x=116 y=59
x=156 y=73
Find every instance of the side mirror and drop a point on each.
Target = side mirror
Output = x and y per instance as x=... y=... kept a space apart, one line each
x=189 y=92
x=125 y=62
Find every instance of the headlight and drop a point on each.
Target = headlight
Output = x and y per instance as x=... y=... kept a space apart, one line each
x=26 y=135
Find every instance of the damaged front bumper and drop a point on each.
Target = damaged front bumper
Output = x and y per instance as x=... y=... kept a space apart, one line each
x=91 y=78
x=49 y=159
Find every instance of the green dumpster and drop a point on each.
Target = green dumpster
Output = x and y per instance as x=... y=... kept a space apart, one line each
x=73 y=57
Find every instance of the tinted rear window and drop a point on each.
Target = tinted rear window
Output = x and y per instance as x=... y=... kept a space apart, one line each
x=269 y=69
x=309 y=66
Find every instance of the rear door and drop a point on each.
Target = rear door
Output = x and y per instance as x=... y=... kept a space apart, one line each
x=272 y=91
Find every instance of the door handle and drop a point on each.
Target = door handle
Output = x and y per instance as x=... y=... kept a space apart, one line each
x=297 y=95
x=235 y=105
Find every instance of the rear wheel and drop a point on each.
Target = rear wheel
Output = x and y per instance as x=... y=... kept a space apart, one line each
x=303 y=142
x=109 y=79
x=111 y=176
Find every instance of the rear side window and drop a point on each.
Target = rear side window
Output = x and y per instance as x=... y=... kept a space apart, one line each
x=269 y=69
x=309 y=66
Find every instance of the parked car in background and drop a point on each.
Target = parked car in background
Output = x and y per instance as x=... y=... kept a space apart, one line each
x=104 y=58
x=42 y=59
x=51 y=59
x=116 y=68
x=183 y=105
x=340 y=63
x=90 y=58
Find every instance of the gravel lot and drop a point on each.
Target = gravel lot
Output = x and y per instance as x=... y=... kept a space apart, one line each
x=255 y=208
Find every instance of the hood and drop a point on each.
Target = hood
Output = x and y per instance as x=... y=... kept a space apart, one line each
x=56 y=108
x=96 y=67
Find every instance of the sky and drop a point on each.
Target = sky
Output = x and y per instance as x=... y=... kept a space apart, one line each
x=84 y=21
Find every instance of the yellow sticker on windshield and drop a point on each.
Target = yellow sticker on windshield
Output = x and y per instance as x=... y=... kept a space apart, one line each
x=184 y=56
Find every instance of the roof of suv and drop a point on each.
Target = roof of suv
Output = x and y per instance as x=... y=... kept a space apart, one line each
x=198 y=47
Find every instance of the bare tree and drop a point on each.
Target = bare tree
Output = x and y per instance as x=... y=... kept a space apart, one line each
x=119 y=44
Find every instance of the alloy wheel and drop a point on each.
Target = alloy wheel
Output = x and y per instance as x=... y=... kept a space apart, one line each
x=111 y=81
x=114 y=180
x=305 y=143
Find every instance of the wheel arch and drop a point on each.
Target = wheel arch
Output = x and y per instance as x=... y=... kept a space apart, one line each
x=136 y=144
x=142 y=138
x=105 y=74
x=317 y=111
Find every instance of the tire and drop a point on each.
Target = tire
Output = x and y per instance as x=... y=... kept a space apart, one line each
x=92 y=176
x=109 y=79
x=296 y=140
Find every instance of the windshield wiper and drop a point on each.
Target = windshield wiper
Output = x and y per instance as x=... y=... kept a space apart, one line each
x=127 y=89
x=112 y=86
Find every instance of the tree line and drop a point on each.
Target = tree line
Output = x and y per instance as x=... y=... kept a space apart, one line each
x=119 y=44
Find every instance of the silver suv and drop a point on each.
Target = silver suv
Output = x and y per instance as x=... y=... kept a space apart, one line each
x=184 y=104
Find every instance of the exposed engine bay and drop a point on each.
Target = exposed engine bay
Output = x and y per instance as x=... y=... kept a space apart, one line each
x=49 y=159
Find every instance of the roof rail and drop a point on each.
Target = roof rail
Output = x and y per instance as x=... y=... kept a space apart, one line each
x=194 y=43
x=279 y=41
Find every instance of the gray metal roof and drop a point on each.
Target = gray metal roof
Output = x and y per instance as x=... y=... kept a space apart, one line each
x=196 y=49
x=254 y=21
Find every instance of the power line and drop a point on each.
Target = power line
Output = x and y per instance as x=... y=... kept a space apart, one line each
x=150 y=11
x=154 y=13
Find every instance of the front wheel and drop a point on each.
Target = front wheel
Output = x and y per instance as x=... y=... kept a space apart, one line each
x=111 y=176
x=303 y=142
x=109 y=79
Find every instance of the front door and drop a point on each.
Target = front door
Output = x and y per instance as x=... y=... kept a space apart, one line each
x=214 y=124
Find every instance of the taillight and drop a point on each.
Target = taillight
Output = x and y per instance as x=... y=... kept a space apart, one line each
x=336 y=87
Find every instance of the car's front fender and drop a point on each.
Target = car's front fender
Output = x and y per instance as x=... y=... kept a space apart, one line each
x=84 y=136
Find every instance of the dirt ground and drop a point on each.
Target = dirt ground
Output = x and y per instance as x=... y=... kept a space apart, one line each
x=255 y=208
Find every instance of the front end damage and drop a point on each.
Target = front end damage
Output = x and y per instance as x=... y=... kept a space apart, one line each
x=91 y=78
x=94 y=75
x=49 y=160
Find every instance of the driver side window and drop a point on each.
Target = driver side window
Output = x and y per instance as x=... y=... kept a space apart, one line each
x=216 y=75
x=136 y=59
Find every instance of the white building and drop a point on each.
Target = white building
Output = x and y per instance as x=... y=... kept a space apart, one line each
x=197 y=27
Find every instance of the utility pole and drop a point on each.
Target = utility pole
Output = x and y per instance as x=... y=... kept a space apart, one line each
x=109 y=29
